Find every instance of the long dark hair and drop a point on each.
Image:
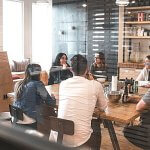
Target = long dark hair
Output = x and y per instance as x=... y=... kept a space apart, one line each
x=32 y=72
x=57 y=60
x=148 y=57
x=102 y=58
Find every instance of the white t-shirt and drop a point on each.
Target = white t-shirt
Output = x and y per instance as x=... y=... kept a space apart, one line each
x=77 y=100
x=143 y=76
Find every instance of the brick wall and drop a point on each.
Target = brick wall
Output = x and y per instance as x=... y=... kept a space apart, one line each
x=1 y=26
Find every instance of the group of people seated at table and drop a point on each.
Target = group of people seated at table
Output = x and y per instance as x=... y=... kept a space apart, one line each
x=78 y=97
x=56 y=76
x=139 y=134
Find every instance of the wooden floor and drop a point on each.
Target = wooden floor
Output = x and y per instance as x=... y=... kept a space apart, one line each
x=123 y=142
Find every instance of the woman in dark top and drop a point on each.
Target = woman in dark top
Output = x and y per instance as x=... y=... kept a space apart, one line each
x=59 y=71
x=31 y=93
x=99 y=64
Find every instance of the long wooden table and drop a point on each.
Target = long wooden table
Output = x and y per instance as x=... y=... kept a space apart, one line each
x=124 y=113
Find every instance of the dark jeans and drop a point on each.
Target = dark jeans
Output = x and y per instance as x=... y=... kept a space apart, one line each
x=94 y=141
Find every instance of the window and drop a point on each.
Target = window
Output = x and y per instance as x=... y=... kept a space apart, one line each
x=41 y=34
x=13 y=29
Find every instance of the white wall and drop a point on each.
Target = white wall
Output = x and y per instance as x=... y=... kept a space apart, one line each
x=27 y=29
x=1 y=25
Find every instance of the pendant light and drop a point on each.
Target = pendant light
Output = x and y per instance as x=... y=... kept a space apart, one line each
x=122 y=2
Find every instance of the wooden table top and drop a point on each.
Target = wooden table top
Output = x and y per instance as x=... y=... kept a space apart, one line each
x=123 y=113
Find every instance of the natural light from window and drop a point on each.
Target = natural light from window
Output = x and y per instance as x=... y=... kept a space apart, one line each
x=41 y=34
x=13 y=29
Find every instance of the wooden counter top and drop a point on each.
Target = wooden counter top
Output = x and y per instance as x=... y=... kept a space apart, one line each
x=131 y=65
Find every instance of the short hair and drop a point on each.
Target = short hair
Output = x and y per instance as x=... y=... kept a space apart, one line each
x=148 y=57
x=78 y=64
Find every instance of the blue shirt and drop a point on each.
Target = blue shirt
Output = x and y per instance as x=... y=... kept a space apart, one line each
x=34 y=94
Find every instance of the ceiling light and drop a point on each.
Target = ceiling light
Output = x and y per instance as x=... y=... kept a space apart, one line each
x=122 y=2
x=84 y=5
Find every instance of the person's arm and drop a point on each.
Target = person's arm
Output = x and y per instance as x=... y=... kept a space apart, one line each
x=43 y=93
x=141 y=105
x=101 y=101
x=140 y=76
x=144 y=103
x=92 y=69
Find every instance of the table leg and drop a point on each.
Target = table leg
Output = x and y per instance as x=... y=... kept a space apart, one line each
x=59 y=76
x=108 y=124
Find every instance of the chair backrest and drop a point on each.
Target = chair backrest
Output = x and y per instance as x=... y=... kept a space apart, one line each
x=61 y=126
x=16 y=112
x=45 y=110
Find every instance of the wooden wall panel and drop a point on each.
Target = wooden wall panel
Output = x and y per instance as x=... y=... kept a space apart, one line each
x=6 y=82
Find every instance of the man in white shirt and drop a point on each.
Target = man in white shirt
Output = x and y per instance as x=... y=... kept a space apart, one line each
x=78 y=97
x=145 y=73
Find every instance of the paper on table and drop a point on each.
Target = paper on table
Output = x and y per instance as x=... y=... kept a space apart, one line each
x=114 y=83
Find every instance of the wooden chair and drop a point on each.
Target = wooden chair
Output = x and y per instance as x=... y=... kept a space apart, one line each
x=44 y=111
x=16 y=112
x=61 y=126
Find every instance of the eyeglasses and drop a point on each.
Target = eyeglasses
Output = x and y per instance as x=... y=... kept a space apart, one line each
x=97 y=58
x=147 y=63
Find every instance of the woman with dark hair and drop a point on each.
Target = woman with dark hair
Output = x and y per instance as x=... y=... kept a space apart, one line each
x=59 y=70
x=30 y=93
x=99 y=64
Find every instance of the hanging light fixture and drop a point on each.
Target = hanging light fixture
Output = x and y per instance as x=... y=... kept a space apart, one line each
x=122 y=2
x=84 y=4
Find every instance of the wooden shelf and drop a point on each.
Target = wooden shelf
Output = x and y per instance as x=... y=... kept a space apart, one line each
x=137 y=22
x=138 y=8
x=137 y=37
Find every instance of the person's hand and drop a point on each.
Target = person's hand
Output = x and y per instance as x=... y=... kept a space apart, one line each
x=89 y=76
x=147 y=86
x=134 y=99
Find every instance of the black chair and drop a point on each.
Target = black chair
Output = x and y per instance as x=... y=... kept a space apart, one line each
x=62 y=126
x=16 y=112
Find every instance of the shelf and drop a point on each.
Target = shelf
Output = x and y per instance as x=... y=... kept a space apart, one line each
x=137 y=22
x=138 y=8
x=137 y=37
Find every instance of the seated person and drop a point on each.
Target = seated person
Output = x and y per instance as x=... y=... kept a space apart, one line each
x=29 y=93
x=78 y=105
x=63 y=74
x=99 y=64
x=145 y=73
x=135 y=134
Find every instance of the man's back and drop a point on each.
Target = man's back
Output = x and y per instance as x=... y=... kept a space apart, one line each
x=78 y=97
